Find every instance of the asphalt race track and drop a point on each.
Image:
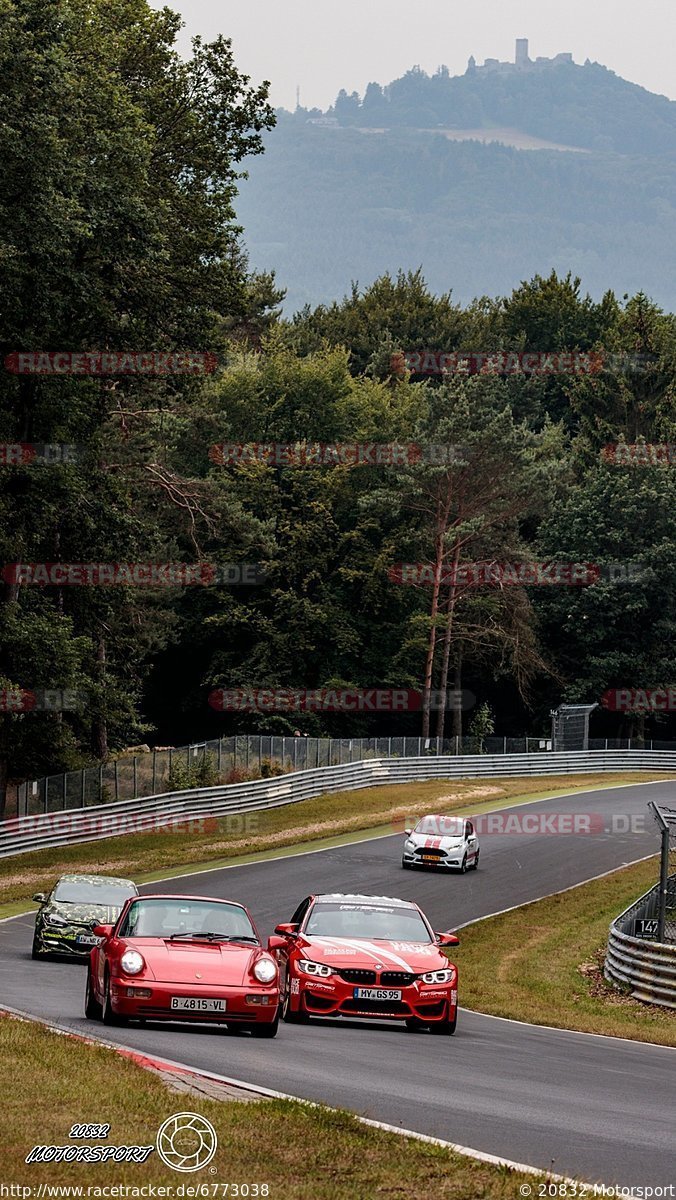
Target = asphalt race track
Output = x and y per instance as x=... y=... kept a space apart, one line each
x=599 y=1108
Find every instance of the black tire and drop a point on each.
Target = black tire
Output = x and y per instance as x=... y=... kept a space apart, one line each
x=289 y=1017
x=269 y=1030
x=463 y=866
x=35 y=948
x=445 y=1028
x=406 y=866
x=110 y=1017
x=475 y=865
x=93 y=1010
x=414 y=1024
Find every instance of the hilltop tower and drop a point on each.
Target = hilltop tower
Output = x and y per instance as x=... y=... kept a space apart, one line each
x=521 y=58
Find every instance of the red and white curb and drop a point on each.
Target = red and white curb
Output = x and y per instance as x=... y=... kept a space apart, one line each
x=237 y=1089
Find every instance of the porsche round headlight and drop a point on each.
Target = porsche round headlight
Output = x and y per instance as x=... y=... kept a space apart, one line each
x=132 y=962
x=443 y=976
x=265 y=970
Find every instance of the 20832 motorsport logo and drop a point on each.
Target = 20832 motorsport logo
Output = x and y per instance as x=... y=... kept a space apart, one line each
x=185 y=1142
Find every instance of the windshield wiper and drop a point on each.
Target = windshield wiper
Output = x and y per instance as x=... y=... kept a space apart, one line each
x=214 y=937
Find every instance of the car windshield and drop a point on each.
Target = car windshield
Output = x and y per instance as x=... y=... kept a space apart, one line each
x=440 y=826
x=93 y=891
x=377 y=922
x=187 y=919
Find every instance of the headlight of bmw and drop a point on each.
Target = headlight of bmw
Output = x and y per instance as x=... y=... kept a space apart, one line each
x=309 y=967
x=132 y=962
x=443 y=976
x=265 y=970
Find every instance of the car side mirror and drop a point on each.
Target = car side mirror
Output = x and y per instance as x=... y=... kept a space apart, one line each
x=39 y=897
x=408 y=832
x=102 y=931
x=287 y=931
x=447 y=939
x=276 y=943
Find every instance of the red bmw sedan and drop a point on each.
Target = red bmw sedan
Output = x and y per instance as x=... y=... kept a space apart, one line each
x=366 y=956
x=183 y=958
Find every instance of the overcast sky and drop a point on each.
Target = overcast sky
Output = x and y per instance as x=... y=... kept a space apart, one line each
x=323 y=45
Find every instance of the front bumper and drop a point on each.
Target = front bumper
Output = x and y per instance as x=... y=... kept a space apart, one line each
x=53 y=940
x=429 y=1003
x=254 y=1004
x=450 y=859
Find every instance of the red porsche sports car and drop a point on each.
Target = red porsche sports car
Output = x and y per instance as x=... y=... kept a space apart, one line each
x=183 y=958
x=366 y=956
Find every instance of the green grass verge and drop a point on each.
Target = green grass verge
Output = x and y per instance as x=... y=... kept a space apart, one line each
x=330 y=820
x=300 y=1152
x=543 y=962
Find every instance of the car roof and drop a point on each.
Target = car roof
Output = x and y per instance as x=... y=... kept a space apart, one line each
x=442 y=817
x=358 y=899
x=181 y=896
x=114 y=879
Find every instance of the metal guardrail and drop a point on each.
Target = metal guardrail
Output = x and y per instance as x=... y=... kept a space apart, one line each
x=171 y=809
x=252 y=756
x=647 y=967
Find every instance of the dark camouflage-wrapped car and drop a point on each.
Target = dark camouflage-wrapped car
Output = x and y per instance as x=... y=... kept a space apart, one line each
x=63 y=923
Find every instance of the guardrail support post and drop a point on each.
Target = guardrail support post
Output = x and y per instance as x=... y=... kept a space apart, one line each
x=664 y=884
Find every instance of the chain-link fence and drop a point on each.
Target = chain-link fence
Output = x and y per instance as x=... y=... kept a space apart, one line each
x=231 y=760
x=570 y=726
x=666 y=892
x=238 y=758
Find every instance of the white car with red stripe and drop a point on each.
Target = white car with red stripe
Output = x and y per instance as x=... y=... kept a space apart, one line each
x=442 y=841
x=366 y=956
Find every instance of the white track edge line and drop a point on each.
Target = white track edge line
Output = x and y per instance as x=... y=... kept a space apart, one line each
x=605 y=787
x=381 y=836
x=270 y=1093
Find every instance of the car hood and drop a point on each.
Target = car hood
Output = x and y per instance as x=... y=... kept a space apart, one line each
x=199 y=963
x=435 y=843
x=366 y=954
x=83 y=914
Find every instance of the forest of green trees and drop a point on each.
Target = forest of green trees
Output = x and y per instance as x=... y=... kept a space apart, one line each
x=119 y=233
x=587 y=106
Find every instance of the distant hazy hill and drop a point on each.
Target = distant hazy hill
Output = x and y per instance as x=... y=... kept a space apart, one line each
x=328 y=205
x=585 y=106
